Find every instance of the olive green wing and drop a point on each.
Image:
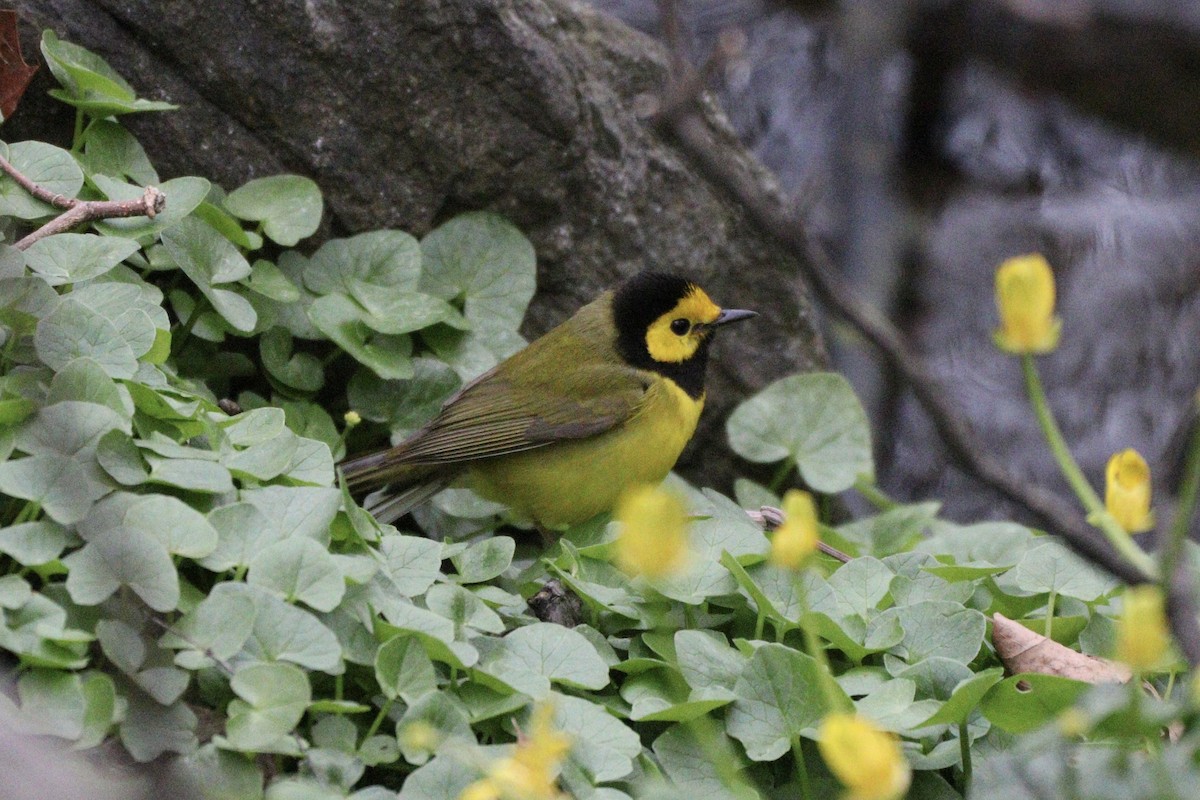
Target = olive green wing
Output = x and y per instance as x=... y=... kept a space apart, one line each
x=570 y=384
x=500 y=415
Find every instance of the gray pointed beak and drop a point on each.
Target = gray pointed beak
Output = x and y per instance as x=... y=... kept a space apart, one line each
x=728 y=315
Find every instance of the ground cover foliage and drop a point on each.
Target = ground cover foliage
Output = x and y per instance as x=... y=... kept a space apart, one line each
x=186 y=575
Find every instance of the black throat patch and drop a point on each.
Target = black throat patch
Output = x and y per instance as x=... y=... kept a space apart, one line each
x=641 y=300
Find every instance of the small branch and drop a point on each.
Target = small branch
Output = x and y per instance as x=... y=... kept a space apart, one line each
x=690 y=83
x=77 y=211
x=40 y=192
x=769 y=518
x=149 y=205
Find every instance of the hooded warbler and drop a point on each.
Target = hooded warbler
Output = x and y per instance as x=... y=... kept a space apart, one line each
x=557 y=431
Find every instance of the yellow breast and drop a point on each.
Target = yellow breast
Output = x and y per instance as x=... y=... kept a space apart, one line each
x=568 y=482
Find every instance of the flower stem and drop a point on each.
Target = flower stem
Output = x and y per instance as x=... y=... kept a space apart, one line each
x=716 y=749
x=964 y=744
x=379 y=718
x=812 y=643
x=77 y=136
x=780 y=475
x=874 y=495
x=1097 y=514
x=801 y=770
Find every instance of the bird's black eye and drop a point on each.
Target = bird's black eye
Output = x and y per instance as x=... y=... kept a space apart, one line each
x=680 y=326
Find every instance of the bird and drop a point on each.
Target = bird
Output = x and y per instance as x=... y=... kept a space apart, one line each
x=604 y=401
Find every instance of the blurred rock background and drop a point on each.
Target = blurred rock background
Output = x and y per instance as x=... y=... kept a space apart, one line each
x=926 y=142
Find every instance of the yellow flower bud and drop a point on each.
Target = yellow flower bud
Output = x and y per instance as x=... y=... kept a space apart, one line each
x=1025 y=299
x=531 y=771
x=482 y=789
x=1127 y=491
x=1074 y=723
x=865 y=759
x=420 y=735
x=653 y=540
x=352 y=418
x=794 y=542
x=1142 y=633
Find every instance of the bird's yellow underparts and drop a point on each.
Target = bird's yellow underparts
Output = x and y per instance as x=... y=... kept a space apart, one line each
x=606 y=400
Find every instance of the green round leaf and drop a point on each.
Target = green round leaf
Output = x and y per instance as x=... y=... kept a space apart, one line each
x=289 y=206
x=52 y=168
x=275 y=697
x=1025 y=702
x=299 y=569
x=779 y=697
x=74 y=257
x=814 y=419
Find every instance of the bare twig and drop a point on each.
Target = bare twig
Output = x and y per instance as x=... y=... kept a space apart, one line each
x=967 y=451
x=149 y=204
x=40 y=192
x=770 y=518
x=78 y=211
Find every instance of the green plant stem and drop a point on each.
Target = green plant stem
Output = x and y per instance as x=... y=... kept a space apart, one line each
x=759 y=623
x=706 y=734
x=77 y=136
x=179 y=342
x=1189 y=484
x=28 y=512
x=801 y=770
x=379 y=718
x=781 y=475
x=874 y=495
x=338 y=686
x=1097 y=514
x=812 y=643
x=964 y=745
x=1049 y=628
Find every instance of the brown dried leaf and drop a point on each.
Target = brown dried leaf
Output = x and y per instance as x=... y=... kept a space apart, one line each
x=15 y=74
x=1022 y=650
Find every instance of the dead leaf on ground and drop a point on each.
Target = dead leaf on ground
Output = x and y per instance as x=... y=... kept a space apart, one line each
x=15 y=74
x=1022 y=650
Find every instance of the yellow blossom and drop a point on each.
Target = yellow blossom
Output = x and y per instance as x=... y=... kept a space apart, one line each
x=1142 y=633
x=352 y=418
x=1074 y=723
x=420 y=735
x=1025 y=299
x=865 y=759
x=653 y=539
x=531 y=771
x=1127 y=491
x=796 y=539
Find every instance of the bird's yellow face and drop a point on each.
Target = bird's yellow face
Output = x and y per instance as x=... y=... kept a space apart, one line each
x=664 y=324
x=676 y=335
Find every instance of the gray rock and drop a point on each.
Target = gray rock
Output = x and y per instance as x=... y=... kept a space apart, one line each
x=408 y=113
x=1029 y=148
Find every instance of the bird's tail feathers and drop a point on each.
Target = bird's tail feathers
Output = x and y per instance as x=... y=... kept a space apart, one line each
x=391 y=503
x=395 y=488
